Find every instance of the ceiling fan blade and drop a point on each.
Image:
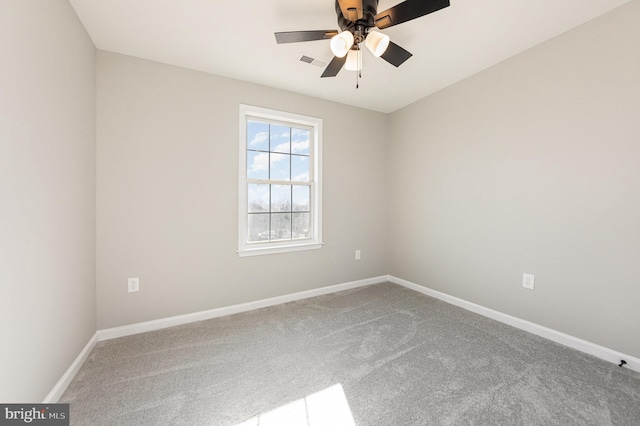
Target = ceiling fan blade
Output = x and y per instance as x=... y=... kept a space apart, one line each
x=298 y=36
x=395 y=54
x=334 y=67
x=351 y=9
x=408 y=10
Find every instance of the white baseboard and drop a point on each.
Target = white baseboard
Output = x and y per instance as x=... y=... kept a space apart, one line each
x=127 y=330
x=142 y=327
x=598 y=351
x=61 y=386
x=601 y=352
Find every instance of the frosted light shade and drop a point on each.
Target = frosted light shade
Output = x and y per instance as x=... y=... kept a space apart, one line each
x=352 y=64
x=341 y=43
x=377 y=43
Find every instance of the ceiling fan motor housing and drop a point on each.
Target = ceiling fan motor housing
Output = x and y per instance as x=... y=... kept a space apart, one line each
x=359 y=27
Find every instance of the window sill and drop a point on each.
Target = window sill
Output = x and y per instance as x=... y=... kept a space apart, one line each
x=257 y=251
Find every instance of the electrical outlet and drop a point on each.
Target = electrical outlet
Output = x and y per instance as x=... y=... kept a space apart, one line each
x=358 y=255
x=133 y=284
x=528 y=281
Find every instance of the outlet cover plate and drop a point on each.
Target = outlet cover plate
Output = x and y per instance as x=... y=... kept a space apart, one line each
x=528 y=281
x=133 y=284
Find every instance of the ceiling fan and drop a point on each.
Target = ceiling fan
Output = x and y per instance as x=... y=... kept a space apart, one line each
x=357 y=20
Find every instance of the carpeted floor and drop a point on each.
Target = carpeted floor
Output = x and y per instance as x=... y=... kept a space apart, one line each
x=376 y=355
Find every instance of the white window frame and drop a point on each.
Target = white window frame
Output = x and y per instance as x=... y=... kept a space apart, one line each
x=246 y=248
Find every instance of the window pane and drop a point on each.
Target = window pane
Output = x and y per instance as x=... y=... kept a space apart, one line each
x=258 y=198
x=280 y=138
x=257 y=165
x=280 y=208
x=300 y=202
x=280 y=198
x=300 y=141
x=280 y=166
x=258 y=227
x=281 y=226
x=257 y=136
x=300 y=225
x=300 y=168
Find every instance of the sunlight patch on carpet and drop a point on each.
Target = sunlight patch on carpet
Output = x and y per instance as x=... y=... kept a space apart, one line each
x=326 y=407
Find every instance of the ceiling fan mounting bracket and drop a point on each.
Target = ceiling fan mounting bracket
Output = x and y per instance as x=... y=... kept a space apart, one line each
x=359 y=26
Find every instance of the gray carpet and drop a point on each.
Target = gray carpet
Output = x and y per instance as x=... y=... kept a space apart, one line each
x=377 y=355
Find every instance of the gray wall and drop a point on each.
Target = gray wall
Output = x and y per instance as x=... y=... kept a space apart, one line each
x=530 y=166
x=167 y=206
x=47 y=195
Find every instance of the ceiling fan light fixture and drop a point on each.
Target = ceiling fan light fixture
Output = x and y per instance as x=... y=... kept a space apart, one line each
x=377 y=43
x=353 y=61
x=341 y=43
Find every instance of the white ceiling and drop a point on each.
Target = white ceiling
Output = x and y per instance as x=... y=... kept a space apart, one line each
x=235 y=39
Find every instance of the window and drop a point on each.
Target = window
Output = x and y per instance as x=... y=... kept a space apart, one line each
x=280 y=185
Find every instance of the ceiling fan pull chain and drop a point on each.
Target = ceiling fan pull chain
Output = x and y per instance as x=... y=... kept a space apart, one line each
x=359 y=68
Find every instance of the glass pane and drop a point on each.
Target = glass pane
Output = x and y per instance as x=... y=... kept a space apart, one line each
x=257 y=165
x=280 y=198
x=258 y=227
x=280 y=138
x=300 y=225
x=281 y=226
x=258 y=198
x=300 y=141
x=300 y=168
x=280 y=166
x=300 y=202
x=257 y=136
